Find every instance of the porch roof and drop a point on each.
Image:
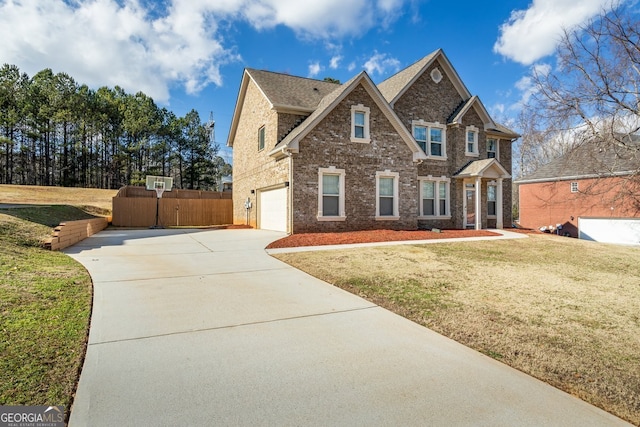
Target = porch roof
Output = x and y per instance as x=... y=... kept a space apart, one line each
x=485 y=168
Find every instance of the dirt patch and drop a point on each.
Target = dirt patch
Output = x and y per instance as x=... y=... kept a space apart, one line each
x=370 y=236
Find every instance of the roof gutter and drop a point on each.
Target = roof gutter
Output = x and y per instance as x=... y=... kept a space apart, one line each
x=574 y=177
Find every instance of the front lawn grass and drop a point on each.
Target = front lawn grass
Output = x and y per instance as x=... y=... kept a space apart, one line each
x=562 y=310
x=45 y=305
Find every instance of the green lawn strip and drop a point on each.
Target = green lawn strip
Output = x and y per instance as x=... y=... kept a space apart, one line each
x=45 y=305
x=53 y=215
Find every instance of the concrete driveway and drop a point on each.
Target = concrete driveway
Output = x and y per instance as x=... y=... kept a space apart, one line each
x=203 y=328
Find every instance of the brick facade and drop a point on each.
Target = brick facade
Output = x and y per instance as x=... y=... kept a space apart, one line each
x=547 y=204
x=255 y=170
x=435 y=102
x=327 y=143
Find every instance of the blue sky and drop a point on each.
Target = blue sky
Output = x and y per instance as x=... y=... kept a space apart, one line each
x=190 y=53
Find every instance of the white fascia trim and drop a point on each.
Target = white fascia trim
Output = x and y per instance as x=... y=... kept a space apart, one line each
x=236 y=114
x=575 y=177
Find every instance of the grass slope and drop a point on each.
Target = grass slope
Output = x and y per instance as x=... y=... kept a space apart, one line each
x=563 y=310
x=45 y=305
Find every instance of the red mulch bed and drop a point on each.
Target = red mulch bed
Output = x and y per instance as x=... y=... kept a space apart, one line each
x=320 y=239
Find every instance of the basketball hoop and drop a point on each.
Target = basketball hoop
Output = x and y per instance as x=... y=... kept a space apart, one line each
x=159 y=187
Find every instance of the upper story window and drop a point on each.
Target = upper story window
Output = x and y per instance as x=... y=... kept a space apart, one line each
x=471 y=147
x=431 y=137
x=261 y=138
x=492 y=148
x=574 y=187
x=360 y=123
x=387 y=195
x=420 y=134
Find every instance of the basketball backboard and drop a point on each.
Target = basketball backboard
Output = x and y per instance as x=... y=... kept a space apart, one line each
x=154 y=182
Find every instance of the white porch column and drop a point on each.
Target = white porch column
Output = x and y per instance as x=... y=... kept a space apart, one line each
x=499 y=207
x=478 y=203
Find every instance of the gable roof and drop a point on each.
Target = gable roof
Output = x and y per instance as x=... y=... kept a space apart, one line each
x=502 y=132
x=283 y=92
x=291 y=92
x=395 y=86
x=483 y=168
x=474 y=101
x=591 y=160
x=329 y=102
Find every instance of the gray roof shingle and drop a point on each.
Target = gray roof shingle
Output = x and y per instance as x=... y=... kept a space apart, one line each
x=321 y=107
x=591 y=159
x=284 y=90
x=391 y=87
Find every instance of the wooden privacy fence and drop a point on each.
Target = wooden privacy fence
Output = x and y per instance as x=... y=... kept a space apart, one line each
x=136 y=207
x=71 y=232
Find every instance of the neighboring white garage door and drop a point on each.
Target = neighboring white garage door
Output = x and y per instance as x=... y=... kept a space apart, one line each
x=273 y=210
x=625 y=231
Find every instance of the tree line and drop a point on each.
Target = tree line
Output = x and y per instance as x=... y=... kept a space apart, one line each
x=55 y=131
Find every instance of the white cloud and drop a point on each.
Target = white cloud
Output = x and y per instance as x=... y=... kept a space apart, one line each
x=148 y=46
x=380 y=63
x=314 y=69
x=526 y=85
x=532 y=34
x=319 y=19
x=103 y=43
x=334 y=63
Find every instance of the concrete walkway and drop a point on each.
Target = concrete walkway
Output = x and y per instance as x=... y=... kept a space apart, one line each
x=203 y=328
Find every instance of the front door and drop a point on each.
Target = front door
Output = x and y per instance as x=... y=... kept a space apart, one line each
x=470 y=206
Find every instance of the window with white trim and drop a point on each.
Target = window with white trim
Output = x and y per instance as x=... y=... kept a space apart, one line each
x=261 y=138
x=387 y=195
x=471 y=146
x=331 y=194
x=360 y=123
x=434 y=197
x=574 y=187
x=492 y=148
x=431 y=137
x=492 y=191
x=420 y=134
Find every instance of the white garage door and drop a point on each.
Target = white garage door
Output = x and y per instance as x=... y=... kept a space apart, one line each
x=625 y=231
x=273 y=210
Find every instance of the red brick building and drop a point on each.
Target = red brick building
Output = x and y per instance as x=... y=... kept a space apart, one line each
x=593 y=180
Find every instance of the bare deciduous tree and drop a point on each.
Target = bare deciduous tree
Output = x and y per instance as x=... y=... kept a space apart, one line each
x=590 y=97
x=593 y=91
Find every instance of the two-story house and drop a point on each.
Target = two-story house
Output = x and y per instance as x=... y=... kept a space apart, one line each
x=416 y=151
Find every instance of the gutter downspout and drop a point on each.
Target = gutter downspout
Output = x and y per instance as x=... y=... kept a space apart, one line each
x=287 y=153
